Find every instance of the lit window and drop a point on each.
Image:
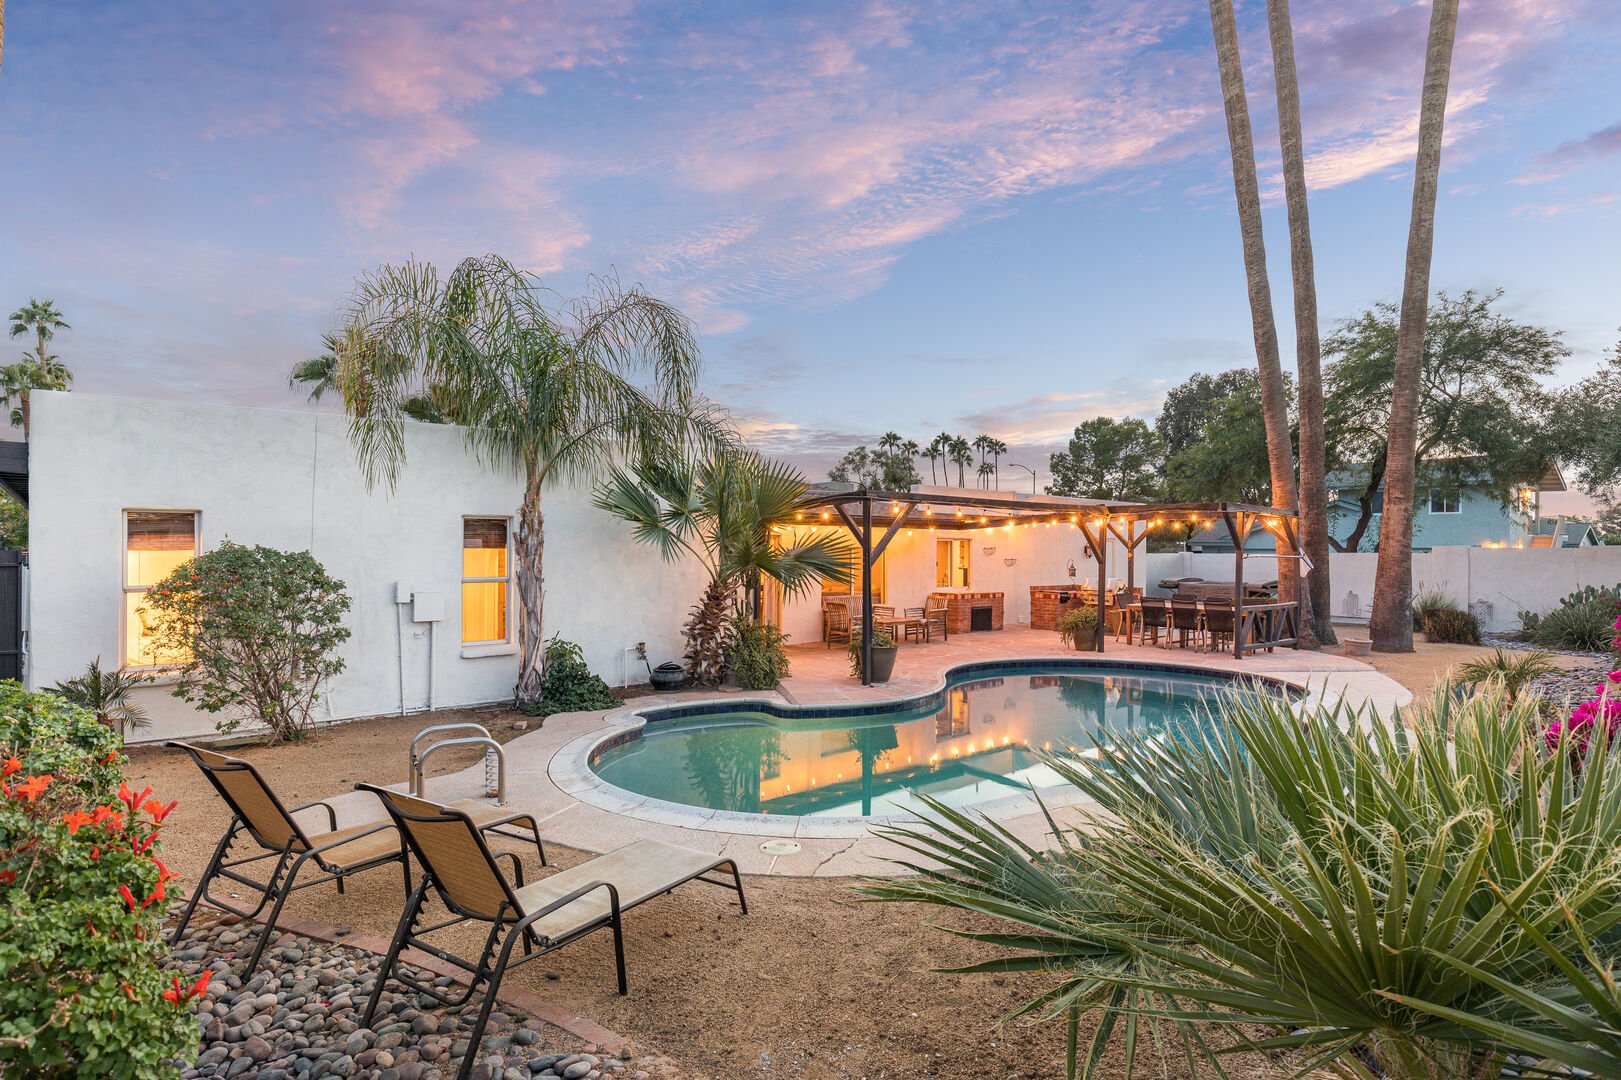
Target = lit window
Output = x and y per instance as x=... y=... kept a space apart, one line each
x=951 y=564
x=1445 y=501
x=835 y=588
x=156 y=543
x=485 y=581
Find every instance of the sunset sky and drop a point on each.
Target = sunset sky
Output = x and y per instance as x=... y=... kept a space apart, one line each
x=976 y=217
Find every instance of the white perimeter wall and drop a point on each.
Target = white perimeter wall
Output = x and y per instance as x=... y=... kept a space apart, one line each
x=1496 y=583
x=289 y=480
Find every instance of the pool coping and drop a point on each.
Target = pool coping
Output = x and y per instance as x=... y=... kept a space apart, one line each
x=570 y=770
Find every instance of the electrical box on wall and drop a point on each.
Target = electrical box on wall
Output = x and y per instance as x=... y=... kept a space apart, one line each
x=402 y=593
x=427 y=606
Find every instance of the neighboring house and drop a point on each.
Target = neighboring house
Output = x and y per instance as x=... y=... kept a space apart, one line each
x=1446 y=516
x=1565 y=532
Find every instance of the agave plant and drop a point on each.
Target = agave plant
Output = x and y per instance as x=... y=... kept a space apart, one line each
x=720 y=509
x=1346 y=885
x=1515 y=671
x=106 y=694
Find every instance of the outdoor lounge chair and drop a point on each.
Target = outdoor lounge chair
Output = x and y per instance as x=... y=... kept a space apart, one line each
x=274 y=831
x=545 y=915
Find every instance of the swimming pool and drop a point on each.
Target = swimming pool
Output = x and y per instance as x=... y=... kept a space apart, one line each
x=968 y=744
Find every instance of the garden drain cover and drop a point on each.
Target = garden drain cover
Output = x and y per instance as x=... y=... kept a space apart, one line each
x=780 y=847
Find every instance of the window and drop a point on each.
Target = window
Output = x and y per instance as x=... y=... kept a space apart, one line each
x=834 y=588
x=951 y=564
x=1445 y=501
x=156 y=543
x=486 y=581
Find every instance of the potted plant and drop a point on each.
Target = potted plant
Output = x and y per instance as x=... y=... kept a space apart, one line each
x=1079 y=627
x=883 y=654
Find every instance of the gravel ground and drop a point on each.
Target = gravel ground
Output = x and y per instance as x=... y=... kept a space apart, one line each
x=299 y=1017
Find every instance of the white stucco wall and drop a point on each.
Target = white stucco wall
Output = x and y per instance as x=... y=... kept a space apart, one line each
x=289 y=480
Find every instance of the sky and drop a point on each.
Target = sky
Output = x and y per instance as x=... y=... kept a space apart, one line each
x=1001 y=218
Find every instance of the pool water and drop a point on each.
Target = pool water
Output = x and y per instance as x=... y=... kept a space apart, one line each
x=970 y=744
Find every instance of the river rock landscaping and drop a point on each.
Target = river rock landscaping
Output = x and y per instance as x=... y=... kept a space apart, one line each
x=298 y=1018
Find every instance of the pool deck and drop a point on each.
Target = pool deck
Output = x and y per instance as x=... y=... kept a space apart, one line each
x=548 y=777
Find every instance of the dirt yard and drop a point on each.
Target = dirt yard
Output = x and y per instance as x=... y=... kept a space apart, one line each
x=812 y=983
x=1421 y=670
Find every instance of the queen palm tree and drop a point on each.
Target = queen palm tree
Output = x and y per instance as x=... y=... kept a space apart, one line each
x=1391 y=622
x=1274 y=401
x=1308 y=347
x=318 y=373
x=720 y=509
x=961 y=454
x=40 y=318
x=38 y=370
x=556 y=396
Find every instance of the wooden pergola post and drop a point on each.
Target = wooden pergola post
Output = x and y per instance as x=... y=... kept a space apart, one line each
x=870 y=554
x=1098 y=543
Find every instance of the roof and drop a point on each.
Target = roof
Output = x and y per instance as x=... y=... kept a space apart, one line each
x=14 y=470
x=1350 y=479
x=1565 y=532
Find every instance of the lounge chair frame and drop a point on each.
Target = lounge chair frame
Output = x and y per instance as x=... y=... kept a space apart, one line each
x=291 y=851
x=509 y=924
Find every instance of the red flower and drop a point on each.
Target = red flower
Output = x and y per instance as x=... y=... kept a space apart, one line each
x=180 y=995
x=76 y=821
x=114 y=818
x=129 y=897
x=129 y=991
x=12 y=765
x=109 y=759
x=33 y=787
x=95 y=851
x=158 y=810
x=129 y=798
x=7 y=877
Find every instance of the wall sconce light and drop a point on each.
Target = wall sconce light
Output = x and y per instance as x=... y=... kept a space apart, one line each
x=1009 y=562
x=989 y=552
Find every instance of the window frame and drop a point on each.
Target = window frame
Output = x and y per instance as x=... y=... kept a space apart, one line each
x=1456 y=500
x=967 y=563
x=506 y=579
x=880 y=573
x=125 y=588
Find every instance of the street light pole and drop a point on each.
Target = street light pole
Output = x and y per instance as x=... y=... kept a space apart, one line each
x=1028 y=469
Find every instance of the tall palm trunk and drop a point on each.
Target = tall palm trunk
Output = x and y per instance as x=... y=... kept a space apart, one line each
x=1313 y=524
x=1274 y=400
x=1391 y=625
x=531 y=591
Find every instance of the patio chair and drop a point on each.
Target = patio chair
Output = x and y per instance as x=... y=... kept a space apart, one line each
x=840 y=627
x=934 y=618
x=915 y=628
x=1123 y=611
x=1156 y=616
x=259 y=818
x=545 y=916
x=1186 y=620
x=882 y=611
x=1219 y=624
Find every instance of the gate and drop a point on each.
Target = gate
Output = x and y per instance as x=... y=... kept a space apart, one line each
x=11 y=613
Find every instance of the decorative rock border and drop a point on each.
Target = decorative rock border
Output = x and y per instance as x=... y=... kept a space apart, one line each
x=298 y=1017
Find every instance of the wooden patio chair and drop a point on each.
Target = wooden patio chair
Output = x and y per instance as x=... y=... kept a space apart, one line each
x=1187 y=621
x=260 y=821
x=914 y=626
x=1219 y=624
x=545 y=916
x=840 y=627
x=935 y=618
x=1156 y=616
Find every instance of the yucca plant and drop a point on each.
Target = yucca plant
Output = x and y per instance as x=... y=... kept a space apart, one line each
x=1314 y=875
x=1514 y=670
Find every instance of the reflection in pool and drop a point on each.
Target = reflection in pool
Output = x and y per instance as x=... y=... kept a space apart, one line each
x=970 y=745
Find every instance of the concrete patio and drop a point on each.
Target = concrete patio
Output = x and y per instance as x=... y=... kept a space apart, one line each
x=548 y=771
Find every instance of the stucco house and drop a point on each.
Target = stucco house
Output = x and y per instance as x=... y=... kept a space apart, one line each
x=1446 y=516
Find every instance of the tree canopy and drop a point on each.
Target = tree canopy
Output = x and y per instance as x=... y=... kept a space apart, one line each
x=1117 y=460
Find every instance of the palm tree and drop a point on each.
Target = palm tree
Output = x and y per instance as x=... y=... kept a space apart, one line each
x=106 y=695
x=1313 y=506
x=935 y=451
x=982 y=443
x=319 y=373
x=38 y=370
x=720 y=510
x=1274 y=402
x=18 y=382
x=960 y=453
x=891 y=441
x=997 y=449
x=552 y=395
x=1391 y=622
x=985 y=471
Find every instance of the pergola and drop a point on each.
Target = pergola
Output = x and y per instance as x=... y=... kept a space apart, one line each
x=874 y=517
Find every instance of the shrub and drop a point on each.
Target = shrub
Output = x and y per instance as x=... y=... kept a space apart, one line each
x=1583 y=620
x=1515 y=671
x=882 y=638
x=757 y=654
x=1349 y=886
x=1079 y=622
x=569 y=685
x=1431 y=600
x=82 y=902
x=1453 y=627
x=259 y=629
x=106 y=695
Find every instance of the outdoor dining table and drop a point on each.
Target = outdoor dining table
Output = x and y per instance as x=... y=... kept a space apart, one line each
x=1133 y=613
x=897 y=623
